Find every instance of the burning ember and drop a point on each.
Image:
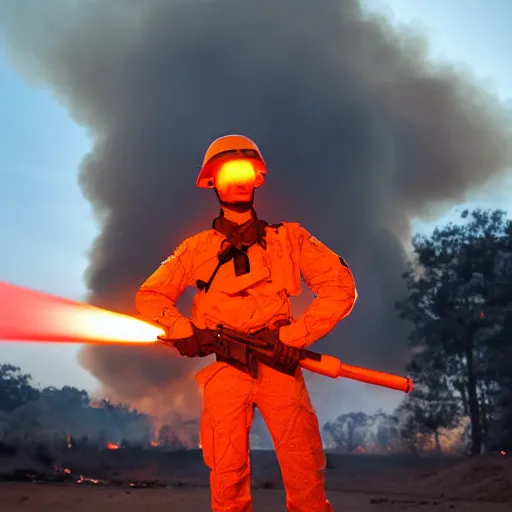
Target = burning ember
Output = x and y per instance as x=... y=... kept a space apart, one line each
x=95 y=481
x=66 y=475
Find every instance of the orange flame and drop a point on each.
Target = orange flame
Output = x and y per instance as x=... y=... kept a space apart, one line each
x=112 y=446
x=28 y=315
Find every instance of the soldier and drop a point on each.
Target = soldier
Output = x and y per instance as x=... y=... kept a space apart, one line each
x=246 y=271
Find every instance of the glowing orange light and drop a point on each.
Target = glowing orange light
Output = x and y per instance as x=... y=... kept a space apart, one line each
x=235 y=172
x=112 y=446
x=27 y=315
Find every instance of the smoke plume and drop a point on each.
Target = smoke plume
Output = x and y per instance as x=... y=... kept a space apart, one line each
x=360 y=130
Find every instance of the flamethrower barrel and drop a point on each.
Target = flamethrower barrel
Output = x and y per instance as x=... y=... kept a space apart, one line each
x=326 y=365
x=330 y=366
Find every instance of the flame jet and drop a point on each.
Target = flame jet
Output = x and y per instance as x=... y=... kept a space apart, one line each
x=28 y=315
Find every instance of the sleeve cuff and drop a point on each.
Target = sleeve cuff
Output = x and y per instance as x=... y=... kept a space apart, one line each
x=177 y=328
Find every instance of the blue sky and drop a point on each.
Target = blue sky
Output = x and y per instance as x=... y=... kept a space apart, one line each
x=474 y=34
x=47 y=223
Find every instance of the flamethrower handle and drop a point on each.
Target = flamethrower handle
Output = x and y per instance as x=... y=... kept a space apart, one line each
x=223 y=333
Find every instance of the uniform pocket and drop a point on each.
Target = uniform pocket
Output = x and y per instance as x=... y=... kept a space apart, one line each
x=225 y=419
x=312 y=438
x=207 y=439
x=207 y=426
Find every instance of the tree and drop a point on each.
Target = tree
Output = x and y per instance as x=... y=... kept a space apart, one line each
x=432 y=407
x=500 y=364
x=500 y=428
x=428 y=411
x=386 y=431
x=15 y=388
x=348 y=431
x=66 y=398
x=455 y=286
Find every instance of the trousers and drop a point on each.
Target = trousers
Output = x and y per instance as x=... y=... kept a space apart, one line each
x=229 y=397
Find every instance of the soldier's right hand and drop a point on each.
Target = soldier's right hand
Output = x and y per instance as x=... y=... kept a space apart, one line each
x=200 y=344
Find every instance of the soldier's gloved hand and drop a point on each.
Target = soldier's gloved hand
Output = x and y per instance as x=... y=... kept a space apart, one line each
x=200 y=344
x=283 y=356
x=286 y=356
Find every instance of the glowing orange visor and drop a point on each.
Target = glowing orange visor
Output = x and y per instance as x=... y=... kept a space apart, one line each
x=210 y=170
x=238 y=172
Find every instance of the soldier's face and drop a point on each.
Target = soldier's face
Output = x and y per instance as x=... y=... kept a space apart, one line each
x=235 y=181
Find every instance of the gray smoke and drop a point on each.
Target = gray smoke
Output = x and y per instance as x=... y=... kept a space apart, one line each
x=361 y=133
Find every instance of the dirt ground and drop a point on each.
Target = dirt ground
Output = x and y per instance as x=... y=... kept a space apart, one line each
x=27 y=497
x=360 y=483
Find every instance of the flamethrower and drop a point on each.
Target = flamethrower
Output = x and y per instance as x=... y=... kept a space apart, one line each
x=30 y=316
x=248 y=349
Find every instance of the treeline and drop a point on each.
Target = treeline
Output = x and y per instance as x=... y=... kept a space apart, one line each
x=62 y=415
x=459 y=305
x=68 y=417
x=16 y=389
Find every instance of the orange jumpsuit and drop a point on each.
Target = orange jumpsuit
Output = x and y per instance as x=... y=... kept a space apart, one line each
x=248 y=303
